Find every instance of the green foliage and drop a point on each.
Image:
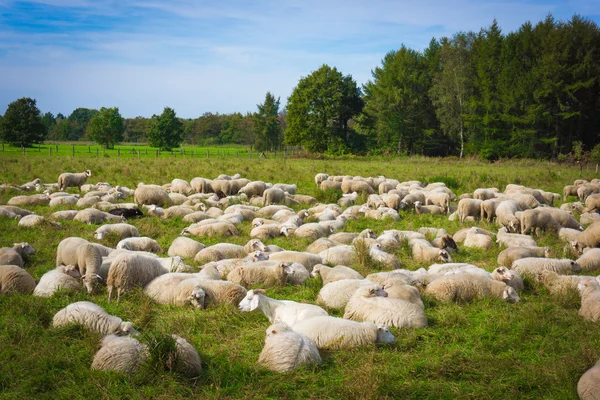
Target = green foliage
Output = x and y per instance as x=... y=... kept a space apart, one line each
x=166 y=130
x=267 y=125
x=79 y=119
x=22 y=124
x=106 y=127
x=595 y=153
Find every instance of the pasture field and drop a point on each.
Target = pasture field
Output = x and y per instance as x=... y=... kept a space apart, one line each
x=487 y=349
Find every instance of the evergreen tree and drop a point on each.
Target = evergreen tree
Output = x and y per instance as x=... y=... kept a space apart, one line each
x=267 y=126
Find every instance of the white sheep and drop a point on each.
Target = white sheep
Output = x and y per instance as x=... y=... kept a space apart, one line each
x=185 y=247
x=537 y=220
x=261 y=274
x=63 y=277
x=152 y=194
x=469 y=208
x=181 y=186
x=339 y=255
x=590 y=299
x=429 y=209
x=15 y=279
x=129 y=269
x=87 y=257
x=311 y=231
x=478 y=240
x=279 y=311
x=186 y=360
x=177 y=289
x=510 y=254
x=588 y=387
x=33 y=200
x=505 y=215
x=15 y=255
x=335 y=295
x=69 y=179
x=589 y=261
x=466 y=287
x=370 y=303
x=321 y=244
x=338 y=333
x=556 y=283
x=216 y=228
x=142 y=243
x=424 y=251
x=273 y=196
x=532 y=266
x=94 y=216
x=514 y=239
x=309 y=260
x=122 y=354
x=92 y=317
x=588 y=238
x=336 y=273
x=285 y=350
x=122 y=230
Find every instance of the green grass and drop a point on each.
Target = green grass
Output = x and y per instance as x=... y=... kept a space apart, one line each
x=487 y=349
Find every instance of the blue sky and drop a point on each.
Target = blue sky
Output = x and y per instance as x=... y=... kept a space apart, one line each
x=220 y=56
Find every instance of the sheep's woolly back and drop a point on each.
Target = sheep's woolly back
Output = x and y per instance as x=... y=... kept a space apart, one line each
x=121 y=354
x=336 y=294
x=129 y=270
x=184 y=247
x=152 y=194
x=556 y=283
x=588 y=387
x=222 y=292
x=337 y=333
x=589 y=261
x=510 y=254
x=336 y=273
x=265 y=275
x=466 y=287
x=177 y=289
x=532 y=266
x=15 y=279
x=93 y=317
x=285 y=350
x=187 y=361
x=590 y=300
x=62 y=277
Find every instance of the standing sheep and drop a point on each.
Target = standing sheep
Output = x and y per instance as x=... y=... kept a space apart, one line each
x=120 y=354
x=537 y=220
x=186 y=359
x=15 y=255
x=63 y=277
x=15 y=279
x=129 y=270
x=92 y=317
x=469 y=208
x=87 y=257
x=152 y=194
x=69 y=179
x=273 y=196
x=466 y=287
x=285 y=350
x=588 y=238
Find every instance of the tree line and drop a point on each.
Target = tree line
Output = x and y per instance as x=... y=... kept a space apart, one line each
x=534 y=92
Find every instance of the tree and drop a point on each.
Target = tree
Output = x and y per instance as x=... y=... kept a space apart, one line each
x=106 y=127
x=319 y=110
x=48 y=120
x=267 y=125
x=166 y=130
x=22 y=123
x=79 y=119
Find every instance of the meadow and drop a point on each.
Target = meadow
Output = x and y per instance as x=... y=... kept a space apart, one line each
x=486 y=349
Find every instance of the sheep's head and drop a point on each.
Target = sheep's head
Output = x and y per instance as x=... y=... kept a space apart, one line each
x=197 y=297
x=185 y=232
x=575 y=267
x=88 y=173
x=376 y=291
x=259 y=256
x=72 y=270
x=514 y=225
x=256 y=244
x=126 y=328
x=251 y=301
x=316 y=270
x=445 y=256
x=503 y=273
x=384 y=335
x=285 y=230
x=24 y=248
x=510 y=295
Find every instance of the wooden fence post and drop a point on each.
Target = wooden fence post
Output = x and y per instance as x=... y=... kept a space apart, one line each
x=206 y=153
x=50 y=148
x=23 y=149
x=89 y=149
x=96 y=152
x=73 y=150
x=118 y=152
x=138 y=154
x=156 y=153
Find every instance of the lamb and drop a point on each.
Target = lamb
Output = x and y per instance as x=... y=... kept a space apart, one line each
x=266 y=275
x=589 y=218
x=87 y=257
x=466 y=287
x=532 y=266
x=589 y=261
x=177 y=289
x=33 y=200
x=370 y=303
x=221 y=251
x=438 y=198
x=469 y=208
x=273 y=196
x=69 y=179
x=120 y=354
x=424 y=251
x=63 y=277
x=186 y=360
x=219 y=228
x=122 y=230
x=92 y=317
x=152 y=194
x=510 y=254
x=15 y=279
x=337 y=273
x=285 y=350
x=142 y=243
x=94 y=216
x=128 y=270
x=590 y=299
x=184 y=247
x=588 y=387
x=588 y=238
x=15 y=255
x=279 y=311
x=485 y=194
x=478 y=240
x=537 y=220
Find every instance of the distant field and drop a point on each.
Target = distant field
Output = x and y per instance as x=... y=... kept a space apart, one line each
x=487 y=349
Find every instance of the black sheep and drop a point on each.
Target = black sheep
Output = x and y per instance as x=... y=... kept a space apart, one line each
x=127 y=213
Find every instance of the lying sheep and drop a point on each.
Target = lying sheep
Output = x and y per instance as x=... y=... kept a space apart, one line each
x=63 y=277
x=589 y=218
x=94 y=216
x=430 y=209
x=176 y=211
x=321 y=244
x=589 y=261
x=31 y=221
x=338 y=333
x=220 y=251
x=265 y=275
x=336 y=273
x=129 y=270
x=510 y=254
x=514 y=239
x=176 y=289
x=556 y=283
x=8 y=214
x=122 y=230
x=285 y=350
x=279 y=311
x=67 y=215
x=120 y=354
x=423 y=250
x=588 y=387
x=33 y=200
x=384 y=259
x=142 y=243
x=15 y=255
x=588 y=238
x=184 y=247
x=92 y=317
x=186 y=360
x=349 y=186
x=532 y=266
x=273 y=196
x=20 y=212
x=309 y=260
x=69 y=179
x=370 y=303
x=181 y=186
x=478 y=240
x=466 y=287
x=590 y=299
x=14 y=279
x=335 y=295
x=152 y=194
x=219 y=228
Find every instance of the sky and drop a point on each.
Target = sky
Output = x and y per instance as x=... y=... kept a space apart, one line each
x=221 y=55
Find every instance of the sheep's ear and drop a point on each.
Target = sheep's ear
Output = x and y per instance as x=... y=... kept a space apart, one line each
x=273 y=331
x=263 y=291
x=372 y=291
x=254 y=302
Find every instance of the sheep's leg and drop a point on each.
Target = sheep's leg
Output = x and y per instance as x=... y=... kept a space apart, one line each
x=110 y=289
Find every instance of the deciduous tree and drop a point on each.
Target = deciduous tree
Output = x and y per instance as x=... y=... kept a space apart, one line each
x=106 y=127
x=166 y=130
x=22 y=123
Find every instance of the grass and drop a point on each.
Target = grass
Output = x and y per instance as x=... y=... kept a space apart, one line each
x=486 y=349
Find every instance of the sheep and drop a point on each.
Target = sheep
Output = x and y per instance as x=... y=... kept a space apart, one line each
x=564 y=218
x=588 y=238
x=568 y=235
x=33 y=200
x=588 y=387
x=181 y=186
x=461 y=235
x=320 y=178
x=94 y=216
x=370 y=303
x=184 y=247
x=349 y=186
x=273 y=196
x=338 y=333
x=514 y=239
x=337 y=273
x=290 y=189
x=592 y=203
x=424 y=251
x=531 y=266
x=285 y=350
x=21 y=212
x=87 y=257
x=221 y=251
x=466 y=287
x=122 y=230
x=510 y=254
x=69 y=179
x=15 y=279
x=126 y=213
x=266 y=231
x=478 y=240
x=569 y=190
x=33 y=220
x=266 y=275
x=142 y=243
x=177 y=289
x=201 y=185
x=339 y=255
x=63 y=200
x=505 y=215
x=120 y=354
x=309 y=260
x=589 y=261
x=431 y=209
x=67 y=215
x=128 y=270
x=63 y=277
x=590 y=299
x=445 y=242
x=219 y=228
x=152 y=194
x=92 y=317
x=469 y=208
x=485 y=194
x=556 y=283
x=15 y=255
x=537 y=220
x=589 y=218
x=279 y=311
x=438 y=198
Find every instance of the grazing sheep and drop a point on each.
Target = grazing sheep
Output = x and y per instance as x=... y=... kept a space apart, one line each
x=349 y=186
x=152 y=194
x=588 y=387
x=488 y=209
x=588 y=238
x=63 y=277
x=87 y=257
x=260 y=274
x=590 y=299
x=370 y=303
x=15 y=279
x=469 y=208
x=279 y=311
x=122 y=354
x=291 y=189
x=142 y=243
x=184 y=247
x=330 y=185
x=589 y=261
x=532 y=266
x=537 y=220
x=69 y=179
x=129 y=269
x=510 y=254
x=466 y=287
x=15 y=255
x=273 y=196
x=181 y=186
x=505 y=215
x=286 y=350
x=92 y=317
x=423 y=250
x=589 y=218
x=122 y=230
x=337 y=273
x=478 y=240
x=485 y=194
x=320 y=178
x=176 y=289
x=33 y=200
x=94 y=216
